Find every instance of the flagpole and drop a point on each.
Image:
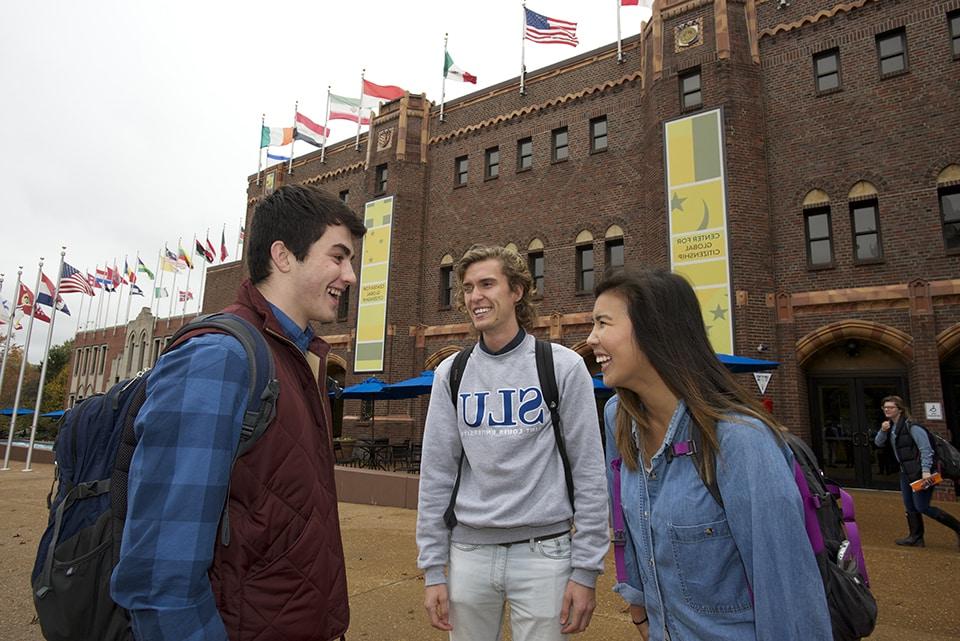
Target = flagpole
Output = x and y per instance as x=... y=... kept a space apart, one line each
x=116 y=318
x=523 y=52
x=86 y=323
x=293 y=143
x=619 y=41
x=153 y=297
x=263 y=123
x=79 y=315
x=237 y=254
x=23 y=368
x=360 y=113
x=126 y=321
x=203 y=278
x=443 y=84
x=173 y=287
x=326 y=122
x=46 y=359
x=183 y=312
x=10 y=324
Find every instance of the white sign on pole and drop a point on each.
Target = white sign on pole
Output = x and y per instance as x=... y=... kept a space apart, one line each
x=762 y=378
x=934 y=411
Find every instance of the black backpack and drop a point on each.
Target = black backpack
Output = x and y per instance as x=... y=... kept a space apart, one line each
x=93 y=451
x=946 y=458
x=551 y=396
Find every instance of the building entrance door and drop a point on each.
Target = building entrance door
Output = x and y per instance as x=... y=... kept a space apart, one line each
x=846 y=415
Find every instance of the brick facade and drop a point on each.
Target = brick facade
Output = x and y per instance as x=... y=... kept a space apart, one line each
x=782 y=140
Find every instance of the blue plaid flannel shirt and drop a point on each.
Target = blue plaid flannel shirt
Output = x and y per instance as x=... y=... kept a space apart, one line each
x=188 y=430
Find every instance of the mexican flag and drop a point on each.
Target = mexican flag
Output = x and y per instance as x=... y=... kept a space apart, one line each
x=453 y=72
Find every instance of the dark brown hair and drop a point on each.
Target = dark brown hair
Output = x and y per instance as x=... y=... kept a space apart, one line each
x=668 y=327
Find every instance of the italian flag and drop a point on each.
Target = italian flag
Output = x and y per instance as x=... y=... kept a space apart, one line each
x=453 y=72
x=275 y=136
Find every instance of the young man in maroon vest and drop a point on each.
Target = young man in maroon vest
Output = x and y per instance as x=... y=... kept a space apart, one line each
x=282 y=574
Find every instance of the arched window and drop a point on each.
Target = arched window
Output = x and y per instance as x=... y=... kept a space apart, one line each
x=446 y=281
x=865 y=223
x=584 y=245
x=948 y=192
x=818 y=229
x=613 y=247
x=536 y=264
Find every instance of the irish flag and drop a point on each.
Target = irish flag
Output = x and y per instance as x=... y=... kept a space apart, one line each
x=453 y=72
x=275 y=136
x=309 y=131
x=343 y=108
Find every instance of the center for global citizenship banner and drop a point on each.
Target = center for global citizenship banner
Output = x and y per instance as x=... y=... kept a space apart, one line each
x=374 y=276
x=697 y=202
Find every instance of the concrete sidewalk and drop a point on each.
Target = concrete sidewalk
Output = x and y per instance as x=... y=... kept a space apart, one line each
x=917 y=588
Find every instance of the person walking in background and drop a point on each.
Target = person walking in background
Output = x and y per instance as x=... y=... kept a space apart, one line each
x=697 y=568
x=913 y=451
x=495 y=450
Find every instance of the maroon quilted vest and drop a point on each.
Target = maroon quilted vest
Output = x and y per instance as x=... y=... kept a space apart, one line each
x=282 y=576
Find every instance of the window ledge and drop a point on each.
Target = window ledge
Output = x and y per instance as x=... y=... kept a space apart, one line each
x=894 y=74
x=523 y=169
x=444 y=308
x=869 y=261
x=599 y=151
x=829 y=92
x=489 y=178
x=460 y=186
x=583 y=292
x=562 y=160
x=820 y=268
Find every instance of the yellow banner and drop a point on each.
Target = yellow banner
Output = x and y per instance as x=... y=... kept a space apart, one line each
x=374 y=281
x=697 y=213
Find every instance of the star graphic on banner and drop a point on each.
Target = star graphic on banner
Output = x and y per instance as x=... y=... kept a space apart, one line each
x=676 y=202
x=719 y=313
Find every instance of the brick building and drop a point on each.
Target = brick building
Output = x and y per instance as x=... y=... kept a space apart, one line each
x=833 y=229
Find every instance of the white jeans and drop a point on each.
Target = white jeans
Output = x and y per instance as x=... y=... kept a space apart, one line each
x=531 y=577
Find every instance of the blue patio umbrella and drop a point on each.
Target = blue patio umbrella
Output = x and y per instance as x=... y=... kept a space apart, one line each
x=54 y=414
x=370 y=389
x=8 y=411
x=411 y=387
x=742 y=364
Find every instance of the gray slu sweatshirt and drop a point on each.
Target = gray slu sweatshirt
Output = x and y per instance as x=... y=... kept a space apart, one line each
x=512 y=487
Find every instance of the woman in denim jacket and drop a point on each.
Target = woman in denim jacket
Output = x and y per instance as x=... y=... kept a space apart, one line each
x=696 y=570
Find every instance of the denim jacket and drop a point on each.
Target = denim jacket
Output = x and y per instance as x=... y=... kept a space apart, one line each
x=740 y=572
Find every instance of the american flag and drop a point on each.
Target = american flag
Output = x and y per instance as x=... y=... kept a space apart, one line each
x=546 y=30
x=73 y=282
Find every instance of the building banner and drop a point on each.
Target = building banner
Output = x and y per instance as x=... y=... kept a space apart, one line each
x=374 y=277
x=697 y=202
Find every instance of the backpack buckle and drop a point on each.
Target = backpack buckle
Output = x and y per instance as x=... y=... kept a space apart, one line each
x=683 y=448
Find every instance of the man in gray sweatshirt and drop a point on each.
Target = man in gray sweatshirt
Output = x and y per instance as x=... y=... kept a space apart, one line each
x=512 y=541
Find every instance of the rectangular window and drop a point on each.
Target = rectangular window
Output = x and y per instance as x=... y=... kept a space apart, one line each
x=585 y=268
x=343 y=304
x=826 y=67
x=344 y=195
x=614 y=253
x=76 y=366
x=598 y=134
x=461 y=167
x=381 y=177
x=691 y=96
x=819 y=244
x=892 y=51
x=535 y=264
x=950 y=211
x=103 y=358
x=865 y=223
x=491 y=163
x=446 y=286
x=155 y=352
x=954 y=21
x=559 y=150
x=524 y=154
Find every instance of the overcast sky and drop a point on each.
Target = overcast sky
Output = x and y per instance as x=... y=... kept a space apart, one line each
x=128 y=125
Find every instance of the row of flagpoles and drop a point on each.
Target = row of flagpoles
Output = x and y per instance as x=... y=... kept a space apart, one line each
x=70 y=280
x=537 y=28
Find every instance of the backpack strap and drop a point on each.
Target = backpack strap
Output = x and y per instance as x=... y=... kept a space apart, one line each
x=692 y=448
x=619 y=527
x=456 y=375
x=551 y=396
x=262 y=390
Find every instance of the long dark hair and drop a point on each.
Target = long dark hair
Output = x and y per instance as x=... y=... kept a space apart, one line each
x=668 y=327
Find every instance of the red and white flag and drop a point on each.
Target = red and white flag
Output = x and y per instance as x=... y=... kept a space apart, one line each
x=374 y=94
x=309 y=131
x=25 y=303
x=184 y=296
